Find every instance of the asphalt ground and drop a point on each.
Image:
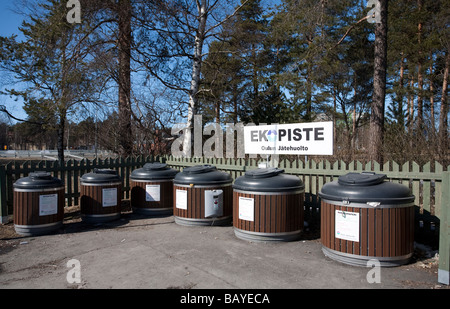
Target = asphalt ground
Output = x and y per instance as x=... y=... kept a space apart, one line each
x=136 y=252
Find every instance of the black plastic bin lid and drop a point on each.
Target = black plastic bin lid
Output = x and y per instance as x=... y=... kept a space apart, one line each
x=361 y=179
x=38 y=180
x=99 y=176
x=264 y=172
x=154 y=171
x=203 y=175
x=268 y=180
x=366 y=187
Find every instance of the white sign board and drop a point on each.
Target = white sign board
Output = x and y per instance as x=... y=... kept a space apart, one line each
x=109 y=196
x=152 y=193
x=181 y=199
x=315 y=138
x=347 y=225
x=48 y=205
x=246 y=209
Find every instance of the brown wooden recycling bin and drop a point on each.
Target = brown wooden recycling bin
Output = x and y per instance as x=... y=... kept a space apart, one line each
x=152 y=189
x=38 y=204
x=203 y=196
x=364 y=217
x=268 y=206
x=101 y=196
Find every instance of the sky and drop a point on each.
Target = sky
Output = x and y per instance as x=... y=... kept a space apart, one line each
x=9 y=24
x=9 y=21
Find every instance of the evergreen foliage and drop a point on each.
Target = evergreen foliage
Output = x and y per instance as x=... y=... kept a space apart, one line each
x=236 y=61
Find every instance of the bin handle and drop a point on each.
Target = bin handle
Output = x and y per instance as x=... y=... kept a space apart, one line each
x=373 y=204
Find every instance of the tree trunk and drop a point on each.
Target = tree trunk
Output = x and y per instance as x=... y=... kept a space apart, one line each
x=60 y=143
x=125 y=136
x=61 y=105
x=308 y=116
x=352 y=145
x=217 y=111
x=432 y=116
x=379 y=87
x=400 y=100
x=195 y=81
x=410 y=107
x=443 y=119
x=334 y=124
x=420 y=75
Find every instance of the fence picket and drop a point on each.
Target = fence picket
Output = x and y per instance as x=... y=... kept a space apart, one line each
x=426 y=189
x=395 y=169
x=68 y=182
x=416 y=185
x=359 y=167
x=387 y=167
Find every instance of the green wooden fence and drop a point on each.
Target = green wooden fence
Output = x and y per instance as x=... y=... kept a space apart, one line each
x=429 y=184
x=424 y=181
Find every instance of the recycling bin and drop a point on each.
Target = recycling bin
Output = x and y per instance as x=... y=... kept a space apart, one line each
x=152 y=189
x=203 y=196
x=268 y=206
x=101 y=196
x=364 y=217
x=38 y=204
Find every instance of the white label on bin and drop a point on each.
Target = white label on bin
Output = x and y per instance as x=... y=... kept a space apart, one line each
x=152 y=193
x=347 y=225
x=109 y=197
x=48 y=205
x=246 y=209
x=181 y=199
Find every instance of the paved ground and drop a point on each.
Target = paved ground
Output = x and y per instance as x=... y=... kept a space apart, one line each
x=140 y=253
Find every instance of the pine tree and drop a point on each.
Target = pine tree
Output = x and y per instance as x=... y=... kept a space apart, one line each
x=124 y=12
x=54 y=64
x=379 y=86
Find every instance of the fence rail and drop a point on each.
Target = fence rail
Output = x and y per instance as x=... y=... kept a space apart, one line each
x=429 y=183
x=52 y=155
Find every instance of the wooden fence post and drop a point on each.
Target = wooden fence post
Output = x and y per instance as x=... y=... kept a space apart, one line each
x=3 y=204
x=444 y=232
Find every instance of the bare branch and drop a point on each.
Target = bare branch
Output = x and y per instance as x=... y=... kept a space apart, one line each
x=227 y=18
x=350 y=29
x=4 y=110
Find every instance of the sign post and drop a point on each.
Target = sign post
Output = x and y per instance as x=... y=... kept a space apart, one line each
x=314 y=138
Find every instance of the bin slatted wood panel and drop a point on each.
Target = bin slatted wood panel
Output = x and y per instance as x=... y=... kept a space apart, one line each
x=196 y=201
x=138 y=195
x=384 y=232
x=92 y=200
x=26 y=208
x=282 y=213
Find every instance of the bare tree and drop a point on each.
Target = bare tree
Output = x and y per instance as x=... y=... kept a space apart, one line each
x=55 y=63
x=172 y=38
